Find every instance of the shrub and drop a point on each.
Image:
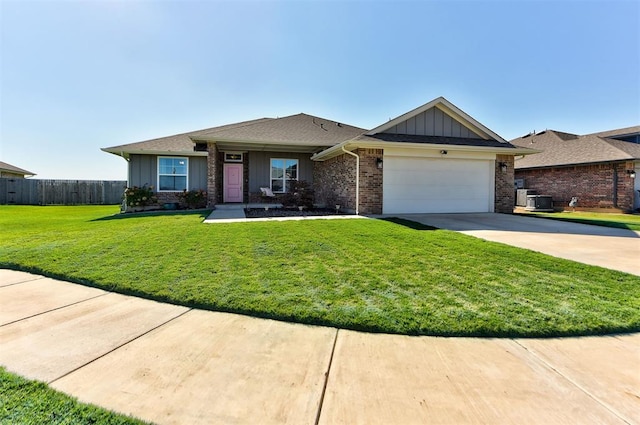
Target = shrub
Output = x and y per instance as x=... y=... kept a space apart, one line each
x=300 y=195
x=140 y=196
x=193 y=198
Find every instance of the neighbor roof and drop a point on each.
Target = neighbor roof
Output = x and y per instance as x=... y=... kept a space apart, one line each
x=621 y=132
x=560 y=148
x=15 y=170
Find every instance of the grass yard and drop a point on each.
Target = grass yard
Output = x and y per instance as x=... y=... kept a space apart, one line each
x=360 y=274
x=31 y=402
x=622 y=221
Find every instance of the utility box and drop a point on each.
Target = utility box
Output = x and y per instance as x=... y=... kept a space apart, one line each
x=539 y=203
x=521 y=196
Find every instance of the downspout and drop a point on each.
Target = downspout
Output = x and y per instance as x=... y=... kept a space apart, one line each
x=357 y=177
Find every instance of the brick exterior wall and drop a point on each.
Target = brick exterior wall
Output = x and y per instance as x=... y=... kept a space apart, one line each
x=334 y=182
x=370 y=181
x=604 y=185
x=505 y=197
x=167 y=197
x=213 y=179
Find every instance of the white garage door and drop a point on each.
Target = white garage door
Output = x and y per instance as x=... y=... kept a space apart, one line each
x=427 y=185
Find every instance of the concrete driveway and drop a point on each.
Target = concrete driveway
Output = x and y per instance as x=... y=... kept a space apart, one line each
x=174 y=365
x=616 y=249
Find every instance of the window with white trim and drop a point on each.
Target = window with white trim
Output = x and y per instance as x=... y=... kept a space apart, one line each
x=283 y=171
x=172 y=174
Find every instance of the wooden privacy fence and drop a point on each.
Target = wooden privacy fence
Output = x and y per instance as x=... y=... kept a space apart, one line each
x=60 y=192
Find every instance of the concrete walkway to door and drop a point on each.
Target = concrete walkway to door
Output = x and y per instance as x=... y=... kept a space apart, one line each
x=175 y=365
x=617 y=249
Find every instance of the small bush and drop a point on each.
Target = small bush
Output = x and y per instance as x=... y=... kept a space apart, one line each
x=299 y=195
x=193 y=199
x=140 y=196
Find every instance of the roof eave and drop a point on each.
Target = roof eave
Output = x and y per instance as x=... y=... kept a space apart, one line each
x=575 y=164
x=126 y=153
x=350 y=145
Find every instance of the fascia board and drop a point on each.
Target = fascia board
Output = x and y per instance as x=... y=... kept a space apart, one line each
x=352 y=145
x=126 y=153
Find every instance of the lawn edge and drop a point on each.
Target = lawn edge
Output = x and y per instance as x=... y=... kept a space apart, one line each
x=605 y=331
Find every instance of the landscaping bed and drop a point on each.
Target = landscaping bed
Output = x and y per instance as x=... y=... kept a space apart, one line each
x=289 y=212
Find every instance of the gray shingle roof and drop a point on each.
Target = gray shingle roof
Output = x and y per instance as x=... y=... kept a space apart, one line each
x=13 y=169
x=619 y=132
x=300 y=129
x=560 y=148
x=179 y=143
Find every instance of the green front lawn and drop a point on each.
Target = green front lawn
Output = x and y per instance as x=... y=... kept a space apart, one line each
x=359 y=274
x=622 y=221
x=31 y=402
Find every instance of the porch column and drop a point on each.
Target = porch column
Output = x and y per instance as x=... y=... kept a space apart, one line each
x=212 y=175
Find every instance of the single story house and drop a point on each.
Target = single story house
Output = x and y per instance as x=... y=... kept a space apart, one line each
x=11 y=171
x=600 y=169
x=433 y=159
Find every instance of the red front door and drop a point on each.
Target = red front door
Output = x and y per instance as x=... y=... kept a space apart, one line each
x=232 y=183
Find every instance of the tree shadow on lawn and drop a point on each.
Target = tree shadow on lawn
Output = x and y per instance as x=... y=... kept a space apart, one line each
x=203 y=213
x=409 y=223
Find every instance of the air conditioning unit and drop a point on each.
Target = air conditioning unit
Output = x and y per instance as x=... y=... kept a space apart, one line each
x=539 y=203
x=521 y=196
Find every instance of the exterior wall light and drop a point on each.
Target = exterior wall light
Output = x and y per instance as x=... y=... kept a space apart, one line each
x=631 y=173
x=379 y=163
x=503 y=166
x=443 y=152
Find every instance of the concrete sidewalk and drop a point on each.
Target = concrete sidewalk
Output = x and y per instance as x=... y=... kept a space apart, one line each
x=173 y=365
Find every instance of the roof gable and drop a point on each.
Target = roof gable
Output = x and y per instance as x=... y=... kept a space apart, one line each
x=438 y=118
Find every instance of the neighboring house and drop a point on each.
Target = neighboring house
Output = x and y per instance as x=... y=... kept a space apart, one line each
x=600 y=169
x=11 y=171
x=433 y=159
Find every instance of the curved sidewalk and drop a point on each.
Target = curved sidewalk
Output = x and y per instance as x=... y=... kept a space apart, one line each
x=174 y=365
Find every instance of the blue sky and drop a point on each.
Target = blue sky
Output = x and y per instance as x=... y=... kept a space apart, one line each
x=80 y=75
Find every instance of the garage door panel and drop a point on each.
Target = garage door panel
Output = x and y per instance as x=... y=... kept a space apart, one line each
x=426 y=185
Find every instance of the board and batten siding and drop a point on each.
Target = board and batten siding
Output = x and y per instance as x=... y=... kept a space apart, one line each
x=260 y=168
x=432 y=122
x=143 y=170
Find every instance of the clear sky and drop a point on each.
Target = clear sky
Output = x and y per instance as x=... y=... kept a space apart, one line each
x=80 y=75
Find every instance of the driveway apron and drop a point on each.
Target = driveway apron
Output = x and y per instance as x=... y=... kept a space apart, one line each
x=617 y=249
x=173 y=365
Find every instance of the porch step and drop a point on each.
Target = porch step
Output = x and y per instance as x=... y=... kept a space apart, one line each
x=230 y=207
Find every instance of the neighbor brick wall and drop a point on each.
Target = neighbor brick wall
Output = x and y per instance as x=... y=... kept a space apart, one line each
x=596 y=185
x=370 y=181
x=334 y=182
x=213 y=180
x=504 y=186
